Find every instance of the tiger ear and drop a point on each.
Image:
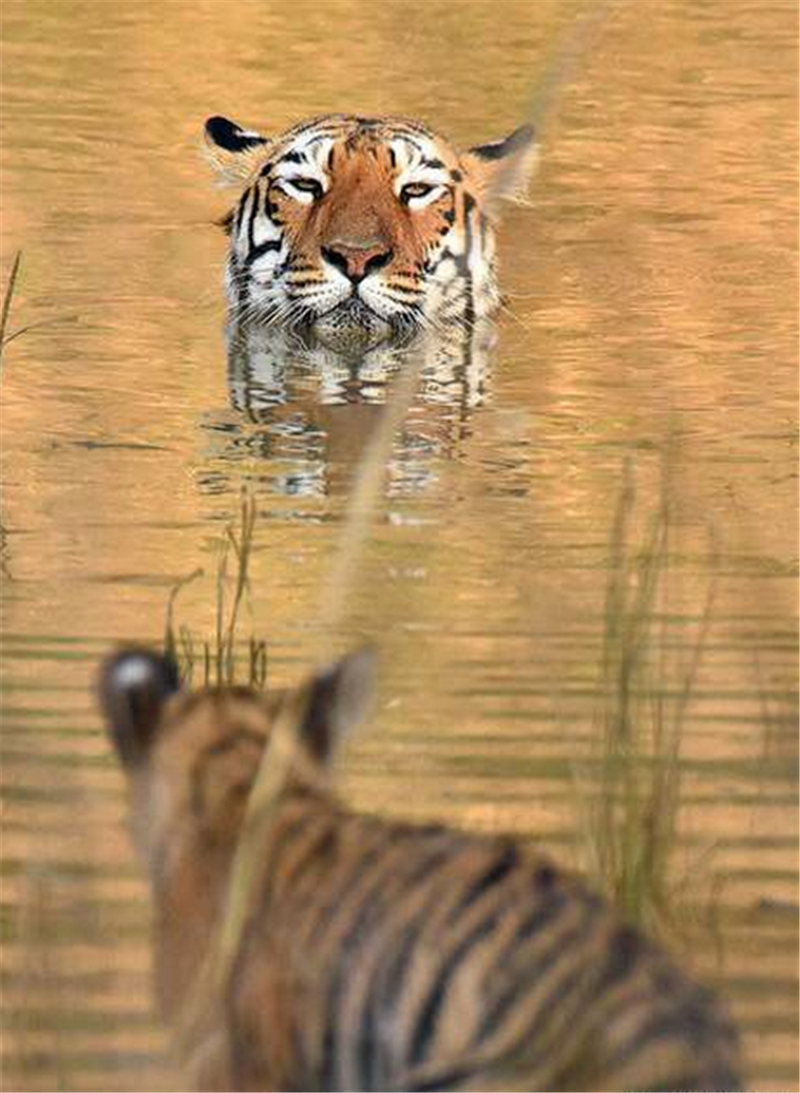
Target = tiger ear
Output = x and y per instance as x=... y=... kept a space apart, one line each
x=234 y=152
x=135 y=685
x=338 y=701
x=502 y=170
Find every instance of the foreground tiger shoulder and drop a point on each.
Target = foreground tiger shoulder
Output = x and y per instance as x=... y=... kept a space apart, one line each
x=377 y=955
x=371 y=223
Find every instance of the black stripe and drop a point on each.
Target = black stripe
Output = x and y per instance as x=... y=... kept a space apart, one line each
x=469 y=302
x=251 y=220
x=369 y=916
x=625 y=948
x=506 y=861
x=434 y=164
x=408 y=136
x=534 y=923
x=271 y=211
x=496 y=872
x=554 y=1004
x=425 y=1027
x=335 y=903
x=549 y=1008
x=545 y=877
x=383 y=994
x=290 y=833
x=448 y=1079
x=240 y=212
x=262 y=249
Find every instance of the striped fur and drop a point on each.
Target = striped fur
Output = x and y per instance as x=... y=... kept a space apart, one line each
x=382 y=955
x=370 y=223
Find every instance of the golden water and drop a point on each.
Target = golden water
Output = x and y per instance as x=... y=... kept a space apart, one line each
x=652 y=317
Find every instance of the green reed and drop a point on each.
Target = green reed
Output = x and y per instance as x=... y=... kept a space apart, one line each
x=631 y=817
x=215 y=661
x=8 y=296
x=7 y=337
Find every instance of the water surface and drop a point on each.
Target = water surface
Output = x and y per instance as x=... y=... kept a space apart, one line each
x=651 y=321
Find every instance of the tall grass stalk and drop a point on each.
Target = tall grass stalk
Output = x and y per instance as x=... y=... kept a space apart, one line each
x=5 y=310
x=8 y=296
x=631 y=818
x=216 y=662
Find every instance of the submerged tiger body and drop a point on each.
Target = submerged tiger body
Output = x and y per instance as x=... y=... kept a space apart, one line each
x=370 y=224
x=381 y=955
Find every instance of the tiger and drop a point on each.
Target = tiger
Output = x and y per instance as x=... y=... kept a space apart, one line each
x=368 y=226
x=378 y=954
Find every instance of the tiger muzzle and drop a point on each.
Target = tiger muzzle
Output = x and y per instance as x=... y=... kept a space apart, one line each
x=358 y=259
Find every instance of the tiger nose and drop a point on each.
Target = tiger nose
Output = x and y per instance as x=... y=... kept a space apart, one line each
x=356 y=260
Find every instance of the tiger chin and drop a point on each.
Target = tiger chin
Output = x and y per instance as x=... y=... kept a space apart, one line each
x=365 y=228
x=376 y=954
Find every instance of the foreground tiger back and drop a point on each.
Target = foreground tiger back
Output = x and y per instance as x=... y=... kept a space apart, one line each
x=380 y=955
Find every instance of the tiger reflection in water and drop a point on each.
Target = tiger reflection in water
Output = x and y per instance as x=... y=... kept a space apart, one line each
x=315 y=401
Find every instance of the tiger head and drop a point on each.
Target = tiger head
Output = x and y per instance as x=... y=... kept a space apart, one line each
x=191 y=757
x=373 y=224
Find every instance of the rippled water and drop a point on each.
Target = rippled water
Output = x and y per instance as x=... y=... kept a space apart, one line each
x=651 y=318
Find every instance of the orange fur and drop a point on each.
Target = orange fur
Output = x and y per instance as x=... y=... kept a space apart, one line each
x=389 y=224
x=374 y=954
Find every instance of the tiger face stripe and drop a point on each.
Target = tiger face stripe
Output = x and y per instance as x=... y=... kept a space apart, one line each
x=373 y=223
x=382 y=955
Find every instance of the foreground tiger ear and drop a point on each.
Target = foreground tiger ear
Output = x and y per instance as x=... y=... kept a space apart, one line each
x=503 y=169
x=338 y=701
x=134 y=686
x=233 y=151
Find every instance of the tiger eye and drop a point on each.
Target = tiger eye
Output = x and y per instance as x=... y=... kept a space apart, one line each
x=306 y=186
x=415 y=189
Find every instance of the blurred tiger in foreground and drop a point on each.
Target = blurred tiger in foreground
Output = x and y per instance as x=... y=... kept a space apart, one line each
x=380 y=955
x=374 y=225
